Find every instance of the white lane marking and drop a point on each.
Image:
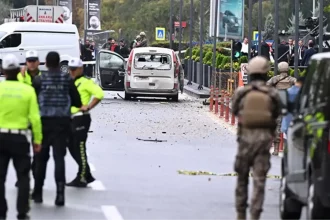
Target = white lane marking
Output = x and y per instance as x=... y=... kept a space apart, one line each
x=71 y=206
x=92 y=167
x=111 y=213
x=97 y=185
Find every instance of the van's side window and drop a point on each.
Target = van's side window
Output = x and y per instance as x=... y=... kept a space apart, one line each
x=13 y=40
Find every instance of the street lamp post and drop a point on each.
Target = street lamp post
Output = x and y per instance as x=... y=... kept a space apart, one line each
x=250 y=28
x=276 y=38
x=296 y=37
x=321 y=26
x=259 y=26
x=180 y=26
x=191 y=26
x=171 y=24
x=215 y=33
x=201 y=37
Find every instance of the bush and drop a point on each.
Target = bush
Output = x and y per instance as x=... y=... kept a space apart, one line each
x=225 y=60
x=218 y=60
x=166 y=44
x=187 y=53
x=208 y=58
x=243 y=59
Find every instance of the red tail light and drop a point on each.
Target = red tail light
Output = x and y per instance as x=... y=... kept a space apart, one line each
x=129 y=63
x=128 y=85
x=177 y=65
x=176 y=86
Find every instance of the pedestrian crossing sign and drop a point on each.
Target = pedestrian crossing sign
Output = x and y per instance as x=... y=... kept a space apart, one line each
x=255 y=35
x=160 y=33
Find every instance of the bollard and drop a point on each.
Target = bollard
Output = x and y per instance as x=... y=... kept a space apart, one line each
x=281 y=147
x=227 y=109
x=222 y=103
x=211 y=99
x=216 y=107
x=232 y=122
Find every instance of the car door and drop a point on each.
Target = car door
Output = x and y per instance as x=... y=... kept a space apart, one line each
x=110 y=70
x=296 y=142
x=319 y=126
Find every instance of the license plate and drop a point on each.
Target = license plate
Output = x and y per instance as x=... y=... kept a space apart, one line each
x=152 y=84
x=143 y=78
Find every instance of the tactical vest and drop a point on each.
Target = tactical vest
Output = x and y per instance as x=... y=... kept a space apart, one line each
x=54 y=97
x=283 y=82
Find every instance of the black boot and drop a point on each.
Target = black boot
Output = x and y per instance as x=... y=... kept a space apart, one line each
x=60 y=196
x=78 y=183
x=23 y=216
x=36 y=195
x=90 y=178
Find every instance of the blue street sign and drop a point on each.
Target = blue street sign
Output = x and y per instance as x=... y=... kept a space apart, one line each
x=160 y=33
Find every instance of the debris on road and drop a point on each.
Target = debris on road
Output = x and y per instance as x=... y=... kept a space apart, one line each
x=120 y=96
x=196 y=173
x=151 y=140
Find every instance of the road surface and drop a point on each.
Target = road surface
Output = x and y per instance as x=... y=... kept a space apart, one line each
x=138 y=179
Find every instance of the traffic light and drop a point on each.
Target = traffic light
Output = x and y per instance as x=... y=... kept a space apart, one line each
x=236 y=50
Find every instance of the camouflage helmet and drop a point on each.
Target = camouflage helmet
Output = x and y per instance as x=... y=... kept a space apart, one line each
x=258 y=65
x=283 y=67
x=142 y=34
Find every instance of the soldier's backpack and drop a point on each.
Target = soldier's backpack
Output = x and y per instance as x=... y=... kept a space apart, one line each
x=282 y=83
x=257 y=108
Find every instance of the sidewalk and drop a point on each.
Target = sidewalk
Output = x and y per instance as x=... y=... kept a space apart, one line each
x=194 y=91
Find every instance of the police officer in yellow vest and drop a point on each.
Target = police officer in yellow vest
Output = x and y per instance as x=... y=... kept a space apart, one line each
x=21 y=109
x=27 y=75
x=81 y=121
x=32 y=70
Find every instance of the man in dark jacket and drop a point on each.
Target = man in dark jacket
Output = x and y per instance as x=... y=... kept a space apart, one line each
x=308 y=54
x=56 y=94
x=265 y=50
x=107 y=45
x=283 y=51
x=124 y=51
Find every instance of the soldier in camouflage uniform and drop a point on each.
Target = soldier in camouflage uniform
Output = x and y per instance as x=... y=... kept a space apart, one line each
x=254 y=142
x=281 y=81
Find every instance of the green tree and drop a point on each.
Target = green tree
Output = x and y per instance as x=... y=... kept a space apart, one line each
x=269 y=27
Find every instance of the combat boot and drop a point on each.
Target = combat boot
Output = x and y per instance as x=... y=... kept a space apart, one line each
x=241 y=216
x=276 y=149
x=37 y=195
x=23 y=216
x=60 y=194
x=255 y=216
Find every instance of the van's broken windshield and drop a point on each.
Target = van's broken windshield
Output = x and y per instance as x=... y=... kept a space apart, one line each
x=148 y=61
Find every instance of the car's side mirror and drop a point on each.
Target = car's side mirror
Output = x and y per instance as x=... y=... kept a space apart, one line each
x=283 y=94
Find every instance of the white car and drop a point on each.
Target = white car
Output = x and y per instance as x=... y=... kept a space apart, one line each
x=18 y=37
x=152 y=71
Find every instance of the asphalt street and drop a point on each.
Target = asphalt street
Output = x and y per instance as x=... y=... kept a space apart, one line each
x=138 y=179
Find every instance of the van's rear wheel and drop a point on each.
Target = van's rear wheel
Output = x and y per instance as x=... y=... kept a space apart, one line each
x=64 y=67
x=127 y=96
x=175 y=98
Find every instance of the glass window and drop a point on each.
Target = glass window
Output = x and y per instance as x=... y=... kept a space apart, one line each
x=2 y=34
x=152 y=61
x=323 y=85
x=12 y=40
x=309 y=85
x=108 y=60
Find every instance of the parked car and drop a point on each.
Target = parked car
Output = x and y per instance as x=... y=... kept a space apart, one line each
x=306 y=161
x=153 y=71
x=110 y=70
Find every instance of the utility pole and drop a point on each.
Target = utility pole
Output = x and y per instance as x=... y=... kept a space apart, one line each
x=171 y=24
x=191 y=26
x=180 y=30
x=201 y=38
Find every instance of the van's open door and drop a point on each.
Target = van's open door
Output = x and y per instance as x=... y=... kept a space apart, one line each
x=110 y=70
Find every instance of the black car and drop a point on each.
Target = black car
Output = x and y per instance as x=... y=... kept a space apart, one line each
x=306 y=160
x=110 y=70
